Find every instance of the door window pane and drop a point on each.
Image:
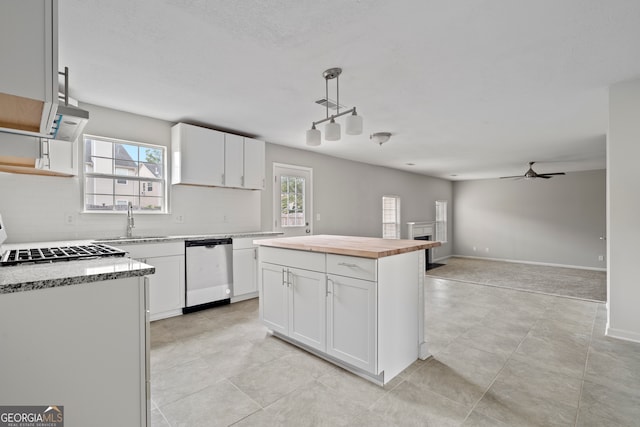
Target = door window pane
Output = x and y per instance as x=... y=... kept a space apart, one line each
x=292 y=198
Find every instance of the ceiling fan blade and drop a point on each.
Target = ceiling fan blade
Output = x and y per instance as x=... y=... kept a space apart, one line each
x=554 y=173
x=516 y=176
x=543 y=176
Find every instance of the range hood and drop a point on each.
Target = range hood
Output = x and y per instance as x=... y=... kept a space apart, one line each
x=69 y=122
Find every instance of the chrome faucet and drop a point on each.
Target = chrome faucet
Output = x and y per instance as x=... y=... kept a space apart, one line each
x=130 y=222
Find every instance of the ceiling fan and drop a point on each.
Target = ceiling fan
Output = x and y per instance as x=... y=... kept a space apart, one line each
x=531 y=174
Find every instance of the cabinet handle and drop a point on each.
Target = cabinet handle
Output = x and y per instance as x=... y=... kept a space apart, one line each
x=284 y=279
x=289 y=281
x=348 y=264
x=327 y=291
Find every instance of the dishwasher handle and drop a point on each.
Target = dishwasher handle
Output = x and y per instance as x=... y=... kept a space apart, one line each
x=209 y=243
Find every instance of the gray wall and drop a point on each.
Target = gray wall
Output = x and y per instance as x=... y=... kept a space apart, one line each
x=555 y=221
x=348 y=194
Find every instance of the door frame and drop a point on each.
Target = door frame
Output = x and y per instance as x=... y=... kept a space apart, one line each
x=276 y=193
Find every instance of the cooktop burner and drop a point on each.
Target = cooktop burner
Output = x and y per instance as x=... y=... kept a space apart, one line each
x=54 y=254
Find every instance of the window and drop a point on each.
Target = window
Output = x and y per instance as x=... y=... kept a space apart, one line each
x=292 y=201
x=390 y=217
x=114 y=171
x=441 y=221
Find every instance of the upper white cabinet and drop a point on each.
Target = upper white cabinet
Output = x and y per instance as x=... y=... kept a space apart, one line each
x=58 y=157
x=37 y=156
x=29 y=52
x=233 y=160
x=253 y=164
x=202 y=156
x=197 y=155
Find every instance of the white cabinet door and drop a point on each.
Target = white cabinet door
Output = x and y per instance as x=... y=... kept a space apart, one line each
x=307 y=307
x=166 y=286
x=351 y=321
x=59 y=156
x=29 y=52
x=253 y=164
x=244 y=271
x=274 y=297
x=197 y=155
x=233 y=160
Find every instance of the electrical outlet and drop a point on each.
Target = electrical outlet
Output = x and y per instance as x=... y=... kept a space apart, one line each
x=179 y=218
x=69 y=218
x=317 y=217
x=600 y=257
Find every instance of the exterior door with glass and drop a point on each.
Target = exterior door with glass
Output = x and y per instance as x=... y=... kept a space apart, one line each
x=292 y=200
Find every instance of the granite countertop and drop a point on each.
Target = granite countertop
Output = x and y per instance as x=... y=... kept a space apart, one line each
x=177 y=238
x=48 y=275
x=365 y=247
x=22 y=278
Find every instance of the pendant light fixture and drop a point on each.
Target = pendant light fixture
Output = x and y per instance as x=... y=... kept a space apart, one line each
x=332 y=131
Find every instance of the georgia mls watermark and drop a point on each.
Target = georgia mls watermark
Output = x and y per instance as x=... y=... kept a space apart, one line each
x=32 y=416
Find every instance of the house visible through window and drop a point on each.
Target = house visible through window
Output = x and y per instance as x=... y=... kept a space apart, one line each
x=114 y=171
x=292 y=200
x=390 y=217
x=441 y=221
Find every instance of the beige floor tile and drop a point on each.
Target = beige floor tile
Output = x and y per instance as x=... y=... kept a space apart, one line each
x=271 y=381
x=220 y=404
x=476 y=419
x=617 y=406
x=409 y=405
x=181 y=380
x=465 y=386
x=158 y=420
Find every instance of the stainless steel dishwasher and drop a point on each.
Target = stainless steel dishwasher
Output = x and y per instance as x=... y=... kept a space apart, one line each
x=209 y=273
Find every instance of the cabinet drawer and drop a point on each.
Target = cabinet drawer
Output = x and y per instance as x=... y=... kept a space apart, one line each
x=350 y=266
x=313 y=261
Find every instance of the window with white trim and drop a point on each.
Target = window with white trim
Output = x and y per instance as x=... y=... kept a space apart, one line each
x=390 y=217
x=441 y=221
x=117 y=172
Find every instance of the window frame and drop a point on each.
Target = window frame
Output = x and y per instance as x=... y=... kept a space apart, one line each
x=396 y=221
x=441 y=221
x=163 y=180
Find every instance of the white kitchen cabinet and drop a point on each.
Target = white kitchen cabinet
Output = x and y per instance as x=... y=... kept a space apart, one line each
x=29 y=52
x=207 y=157
x=197 y=155
x=167 y=285
x=254 y=164
x=360 y=313
x=351 y=321
x=78 y=346
x=58 y=157
x=295 y=303
x=233 y=160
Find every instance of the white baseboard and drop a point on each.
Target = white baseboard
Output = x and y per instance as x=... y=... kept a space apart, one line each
x=244 y=297
x=517 y=261
x=622 y=334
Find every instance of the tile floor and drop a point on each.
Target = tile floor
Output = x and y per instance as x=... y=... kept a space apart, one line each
x=501 y=357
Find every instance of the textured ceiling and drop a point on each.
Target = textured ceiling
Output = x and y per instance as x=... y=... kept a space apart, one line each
x=469 y=88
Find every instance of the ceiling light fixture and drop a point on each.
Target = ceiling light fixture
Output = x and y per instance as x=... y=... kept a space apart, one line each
x=380 y=137
x=332 y=129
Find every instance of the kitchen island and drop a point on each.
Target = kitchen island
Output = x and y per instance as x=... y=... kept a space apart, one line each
x=75 y=334
x=357 y=302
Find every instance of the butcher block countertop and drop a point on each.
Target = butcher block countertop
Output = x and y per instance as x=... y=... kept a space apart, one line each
x=365 y=247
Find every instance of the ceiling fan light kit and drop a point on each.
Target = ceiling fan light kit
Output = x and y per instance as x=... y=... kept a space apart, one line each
x=531 y=174
x=332 y=131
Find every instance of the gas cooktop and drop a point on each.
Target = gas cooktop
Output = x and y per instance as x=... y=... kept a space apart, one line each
x=59 y=253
